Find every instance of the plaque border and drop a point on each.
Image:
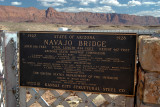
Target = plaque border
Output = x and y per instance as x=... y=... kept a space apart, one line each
x=79 y=32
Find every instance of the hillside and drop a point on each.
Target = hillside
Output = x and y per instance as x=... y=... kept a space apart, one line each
x=51 y=16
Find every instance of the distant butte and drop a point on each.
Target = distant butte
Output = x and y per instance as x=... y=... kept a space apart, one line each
x=31 y=14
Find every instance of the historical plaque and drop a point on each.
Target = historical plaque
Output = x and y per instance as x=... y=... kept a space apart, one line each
x=79 y=61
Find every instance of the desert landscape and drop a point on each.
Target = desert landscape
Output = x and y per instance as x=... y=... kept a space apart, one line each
x=25 y=26
x=51 y=16
x=32 y=19
x=16 y=19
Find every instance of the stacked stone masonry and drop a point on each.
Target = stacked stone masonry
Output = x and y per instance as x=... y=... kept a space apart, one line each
x=148 y=91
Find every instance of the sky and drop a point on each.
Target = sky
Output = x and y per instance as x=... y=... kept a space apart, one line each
x=132 y=7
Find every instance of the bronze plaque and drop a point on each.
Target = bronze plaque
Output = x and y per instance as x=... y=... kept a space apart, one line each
x=78 y=61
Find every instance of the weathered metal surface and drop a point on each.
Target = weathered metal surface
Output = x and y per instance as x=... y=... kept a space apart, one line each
x=78 y=61
x=9 y=67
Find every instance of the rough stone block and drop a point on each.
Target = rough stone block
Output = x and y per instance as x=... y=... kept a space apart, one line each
x=140 y=87
x=152 y=88
x=149 y=53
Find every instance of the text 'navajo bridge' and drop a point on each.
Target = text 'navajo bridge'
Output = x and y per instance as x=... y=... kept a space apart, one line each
x=90 y=62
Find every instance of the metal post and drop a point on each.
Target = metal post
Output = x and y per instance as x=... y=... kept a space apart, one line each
x=9 y=67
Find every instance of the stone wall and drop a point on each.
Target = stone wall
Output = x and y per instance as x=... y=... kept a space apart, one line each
x=148 y=88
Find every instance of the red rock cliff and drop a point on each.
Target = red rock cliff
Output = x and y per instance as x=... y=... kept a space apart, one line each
x=31 y=14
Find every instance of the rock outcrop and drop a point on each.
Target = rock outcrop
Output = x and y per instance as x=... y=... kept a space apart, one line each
x=149 y=53
x=148 y=88
x=31 y=14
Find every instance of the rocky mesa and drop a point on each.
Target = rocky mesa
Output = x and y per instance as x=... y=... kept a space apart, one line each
x=31 y=14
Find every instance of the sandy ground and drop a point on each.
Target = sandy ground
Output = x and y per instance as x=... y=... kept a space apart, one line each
x=11 y=26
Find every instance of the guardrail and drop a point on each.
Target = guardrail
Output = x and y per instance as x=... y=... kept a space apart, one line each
x=139 y=32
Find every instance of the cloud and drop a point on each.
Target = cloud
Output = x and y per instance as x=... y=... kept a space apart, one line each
x=104 y=9
x=86 y=2
x=151 y=3
x=47 y=4
x=112 y=2
x=59 y=1
x=155 y=13
x=52 y=3
x=16 y=3
x=148 y=3
x=1 y=0
x=134 y=3
x=158 y=3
